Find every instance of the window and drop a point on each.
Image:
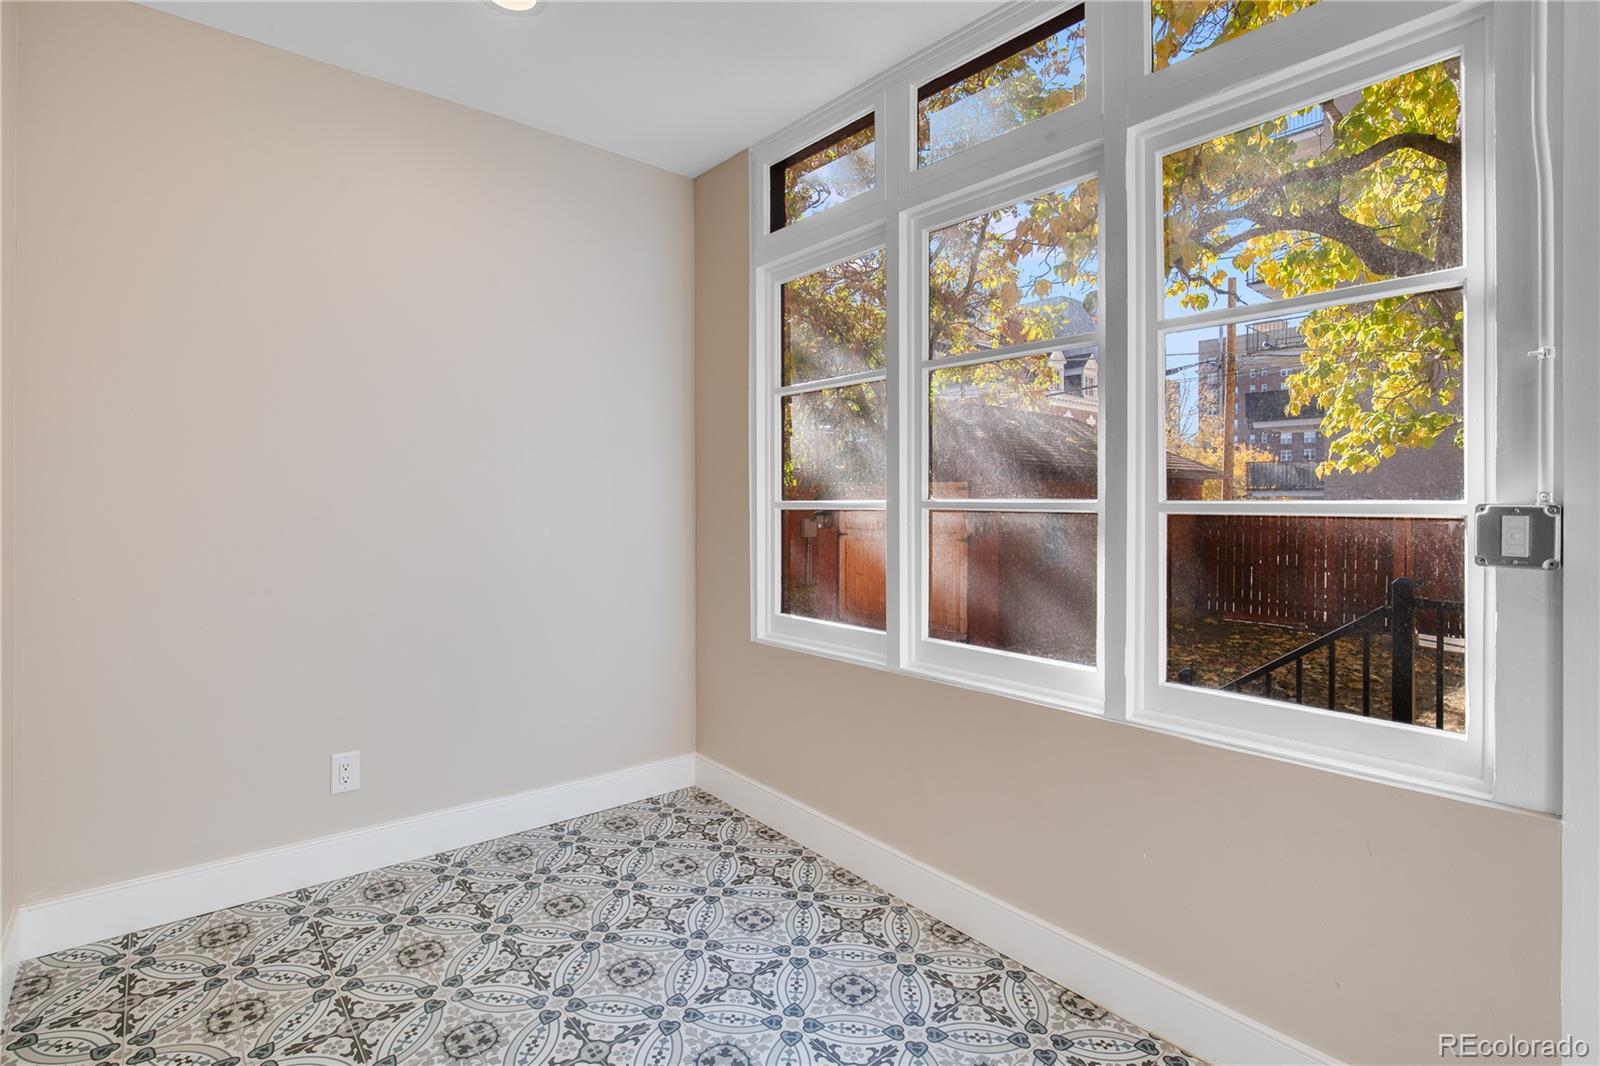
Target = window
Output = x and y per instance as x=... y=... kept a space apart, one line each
x=1377 y=197
x=832 y=449
x=1183 y=28
x=1020 y=273
x=1183 y=431
x=1013 y=463
x=1028 y=77
x=827 y=172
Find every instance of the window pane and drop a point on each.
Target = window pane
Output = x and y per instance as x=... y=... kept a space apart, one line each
x=1182 y=28
x=1016 y=581
x=1247 y=591
x=1016 y=428
x=833 y=444
x=1034 y=75
x=833 y=566
x=823 y=174
x=1361 y=187
x=1372 y=390
x=1027 y=272
x=833 y=320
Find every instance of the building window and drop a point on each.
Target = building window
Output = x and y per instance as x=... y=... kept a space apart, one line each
x=824 y=173
x=1035 y=74
x=937 y=479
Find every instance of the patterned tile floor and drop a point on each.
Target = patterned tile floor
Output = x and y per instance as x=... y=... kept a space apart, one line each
x=671 y=932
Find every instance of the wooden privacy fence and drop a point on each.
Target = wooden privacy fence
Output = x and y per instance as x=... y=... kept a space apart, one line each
x=1316 y=572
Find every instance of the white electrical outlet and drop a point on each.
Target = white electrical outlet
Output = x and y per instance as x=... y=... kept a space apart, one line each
x=347 y=771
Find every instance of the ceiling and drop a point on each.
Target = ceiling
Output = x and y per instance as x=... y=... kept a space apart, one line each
x=682 y=86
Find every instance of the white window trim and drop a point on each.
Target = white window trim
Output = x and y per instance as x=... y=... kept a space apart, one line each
x=1081 y=685
x=1507 y=759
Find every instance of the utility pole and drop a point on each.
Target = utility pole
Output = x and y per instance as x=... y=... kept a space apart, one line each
x=1230 y=388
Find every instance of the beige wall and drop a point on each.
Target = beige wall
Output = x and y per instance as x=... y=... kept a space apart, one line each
x=1361 y=919
x=316 y=416
x=330 y=427
x=8 y=96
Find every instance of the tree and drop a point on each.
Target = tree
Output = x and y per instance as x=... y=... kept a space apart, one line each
x=1025 y=272
x=1039 y=80
x=830 y=175
x=833 y=324
x=1183 y=27
x=1368 y=189
x=1028 y=271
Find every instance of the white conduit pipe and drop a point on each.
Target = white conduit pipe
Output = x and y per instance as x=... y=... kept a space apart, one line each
x=1544 y=190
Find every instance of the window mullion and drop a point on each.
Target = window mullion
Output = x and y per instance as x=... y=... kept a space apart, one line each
x=1120 y=21
x=840 y=382
x=894 y=164
x=1450 y=278
x=1013 y=351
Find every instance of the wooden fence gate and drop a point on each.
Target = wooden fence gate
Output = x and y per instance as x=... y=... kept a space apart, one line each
x=861 y=583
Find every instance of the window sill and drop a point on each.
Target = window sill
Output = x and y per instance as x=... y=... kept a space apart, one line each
x=819 y=648
x=1414 y=778
x=976 y=682
x=1399 y=775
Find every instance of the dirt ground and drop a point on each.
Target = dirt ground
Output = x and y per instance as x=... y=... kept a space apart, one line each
x=1221 y=650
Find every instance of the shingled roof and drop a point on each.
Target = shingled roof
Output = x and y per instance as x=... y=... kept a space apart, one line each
x=1014 y=452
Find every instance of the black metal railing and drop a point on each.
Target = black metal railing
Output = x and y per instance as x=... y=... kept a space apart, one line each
x=1399 y=618
x=1292 y=475
x=1272 y=336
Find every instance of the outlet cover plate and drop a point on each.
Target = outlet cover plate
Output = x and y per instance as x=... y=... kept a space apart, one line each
x=346 y=771
x=1517 y=535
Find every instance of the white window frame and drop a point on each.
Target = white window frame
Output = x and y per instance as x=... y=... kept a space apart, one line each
x=1046 y=679
x=838 y=639
x=1127 y=118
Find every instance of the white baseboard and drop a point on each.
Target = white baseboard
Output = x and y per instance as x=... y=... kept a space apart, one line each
x=40 y=928
x=8 y=961
x=1178 y=1014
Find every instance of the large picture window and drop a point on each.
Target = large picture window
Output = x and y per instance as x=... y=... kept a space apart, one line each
x=1167 y=395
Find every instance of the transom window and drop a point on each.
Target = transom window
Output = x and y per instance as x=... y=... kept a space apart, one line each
x=1028 y=77
x=824 y=173
x=1183 y=28
x=1168 y=402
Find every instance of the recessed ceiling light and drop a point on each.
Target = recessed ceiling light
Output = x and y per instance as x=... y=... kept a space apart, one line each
x=518 y=6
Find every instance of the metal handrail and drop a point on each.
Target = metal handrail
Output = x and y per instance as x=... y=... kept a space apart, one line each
x=1399 y=617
